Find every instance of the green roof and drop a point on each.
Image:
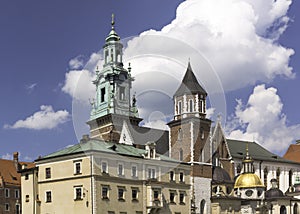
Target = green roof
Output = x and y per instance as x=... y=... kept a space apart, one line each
x=237 y=149
x=103 y=146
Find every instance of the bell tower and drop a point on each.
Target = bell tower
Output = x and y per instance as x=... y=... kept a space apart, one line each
x=113 y=103
x=189 y=130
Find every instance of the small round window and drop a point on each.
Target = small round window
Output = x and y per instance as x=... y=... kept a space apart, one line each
x=249 y=193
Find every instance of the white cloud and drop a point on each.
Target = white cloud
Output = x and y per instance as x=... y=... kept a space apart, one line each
x=30 y=87
x=46 y=118
x=231 y=44
x=7 y=156
x=262 y=120
x=76 y=63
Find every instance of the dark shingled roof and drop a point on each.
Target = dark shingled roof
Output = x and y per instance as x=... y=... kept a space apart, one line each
x=237 y=149
x=220 y=175
x=189 y=84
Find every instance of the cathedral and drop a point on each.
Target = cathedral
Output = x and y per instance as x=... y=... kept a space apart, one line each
x=122 y=167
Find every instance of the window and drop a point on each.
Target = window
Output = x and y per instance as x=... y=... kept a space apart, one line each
x=105 y=192
x=180 y=154
x=48 y=196
x=122 y=93
x=172 y=176
x=17 y=193
x=156 y=194
x=278 y=177
x=6 y=207
x=26 y=176
x=181 y=177
x=181 y=197
x=201 y=106
x=202 y=133
x=134 y=171
x=17 y=208
x=27 y=198
x=172 y=196
x=290 y=178
x=266 y=177
x=151 y=173
x=78 y=193
x=48 y=172
x=191 y=106
x=102 y=95
x=179 y=107
x=179 y=135
x=120 y=170
x=134 y=194
x=77 y=168
x=104 y=167
x=121 y=193
x=7 y=193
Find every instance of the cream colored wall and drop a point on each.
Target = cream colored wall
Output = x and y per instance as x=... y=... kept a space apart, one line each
x=29 y=187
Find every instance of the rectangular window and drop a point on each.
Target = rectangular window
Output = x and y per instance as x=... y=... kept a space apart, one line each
x=134 y=194
x=201 y=106
x=7 y=195
x=77 y=167
x=181 y=197
x=17 y=193
x=151 y=173
x=78 y=193
x=48 y=172
x=121 y=193
x=7 y=207
x=122 y=93
x=48 y=196
x=26 y=176
x=172 y=197
x=134 y=171
x=172 y=176
x=120 y=170
x=17 y=208
x=181 y=177
x=156 y=195
x=27 y=198
x=102 y=95
x=104 y=167
x=191 y=106
x=105 y=192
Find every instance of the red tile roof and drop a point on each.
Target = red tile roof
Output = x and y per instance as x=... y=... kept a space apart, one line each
x=293 y=153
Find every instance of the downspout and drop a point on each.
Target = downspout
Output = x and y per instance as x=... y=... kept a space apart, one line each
x=34 y=193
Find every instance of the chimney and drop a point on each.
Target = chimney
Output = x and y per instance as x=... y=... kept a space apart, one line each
x=16 y=160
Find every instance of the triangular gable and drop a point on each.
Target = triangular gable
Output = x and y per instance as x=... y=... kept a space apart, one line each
x=125 y=136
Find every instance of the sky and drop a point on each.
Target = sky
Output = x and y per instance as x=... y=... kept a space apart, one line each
x=244 y=53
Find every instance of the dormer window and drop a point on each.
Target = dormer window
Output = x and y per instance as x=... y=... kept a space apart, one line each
x=150 y=148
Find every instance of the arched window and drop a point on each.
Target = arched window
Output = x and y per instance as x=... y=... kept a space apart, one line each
x=266 y=177
x=202 y=207
x=296 y=208
x=278 y=177
x=290 y=178
x=282 y=210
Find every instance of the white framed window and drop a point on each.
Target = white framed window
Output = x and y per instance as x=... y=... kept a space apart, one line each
x=172 y=196
x=121 y=193
x=78 y=193
x=105 y=192
x=27 y=198
x=134 y=172
x=77 y=167
x=48 y=196
x=7 y=207
x=156 y=194
x=120 y=169
x=134 y=193
x=151 y=173
x=181 y=176
x=7 y=193
x=182 y=197
x=172 y=176
x=47 y=172
x=179 y=107
x=191 y=105
x=104 y=167
x=17 y=193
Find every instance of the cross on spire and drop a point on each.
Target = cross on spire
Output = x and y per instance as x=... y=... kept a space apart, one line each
x=112 y=20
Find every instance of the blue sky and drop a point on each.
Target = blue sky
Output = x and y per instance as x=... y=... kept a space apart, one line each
x=39 y=39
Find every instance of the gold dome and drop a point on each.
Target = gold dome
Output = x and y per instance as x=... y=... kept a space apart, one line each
x=248 y=180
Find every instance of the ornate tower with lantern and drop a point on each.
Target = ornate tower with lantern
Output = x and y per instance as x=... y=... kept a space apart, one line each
x=113 y=103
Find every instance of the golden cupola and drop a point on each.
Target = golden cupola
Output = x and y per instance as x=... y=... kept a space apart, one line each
x=248 y=179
